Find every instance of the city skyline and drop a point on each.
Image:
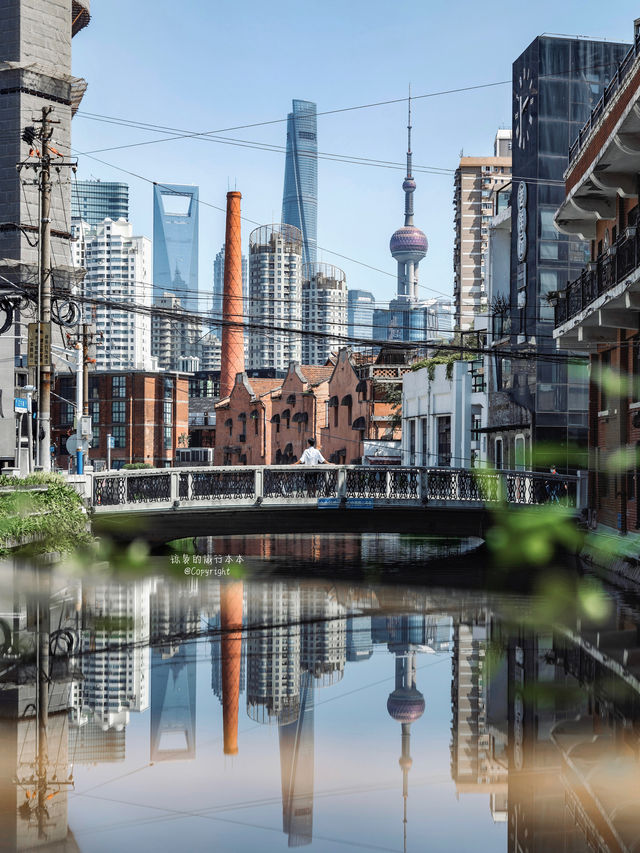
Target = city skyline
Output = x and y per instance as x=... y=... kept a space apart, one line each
x=348 y=191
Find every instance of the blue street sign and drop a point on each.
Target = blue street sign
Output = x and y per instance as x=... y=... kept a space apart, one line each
x=21 y=405
x=328 y=503
x=359 y=503
x=111 y=442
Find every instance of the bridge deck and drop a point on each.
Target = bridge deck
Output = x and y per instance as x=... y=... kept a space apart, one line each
x=165 y=504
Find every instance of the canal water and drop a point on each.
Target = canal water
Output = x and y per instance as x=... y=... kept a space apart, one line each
x=264 y=693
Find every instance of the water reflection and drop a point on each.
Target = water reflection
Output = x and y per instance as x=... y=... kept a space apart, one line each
x=542 y=719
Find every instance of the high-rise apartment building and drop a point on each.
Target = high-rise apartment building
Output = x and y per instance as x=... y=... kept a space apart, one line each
x=115 y=662
x=35 y=49
x=274 y=312
x=95 y=201
x=218 y=286
x=175 y=242
x=324 y=311
x=476 y=180
x=300 y=196
x=360 y=307
x=175 y=334
x=118 y=268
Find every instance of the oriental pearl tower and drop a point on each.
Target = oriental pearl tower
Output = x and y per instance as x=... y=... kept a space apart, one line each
x=408 y=245
x=405 y=705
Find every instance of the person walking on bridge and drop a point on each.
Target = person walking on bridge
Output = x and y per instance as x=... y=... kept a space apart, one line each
x=311 y=456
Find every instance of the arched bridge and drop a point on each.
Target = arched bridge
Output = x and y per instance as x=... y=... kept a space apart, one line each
x=161 y=505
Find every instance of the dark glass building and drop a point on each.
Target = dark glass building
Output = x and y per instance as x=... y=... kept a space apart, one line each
x=556 y=83
x=95 y=201
x=300 y=196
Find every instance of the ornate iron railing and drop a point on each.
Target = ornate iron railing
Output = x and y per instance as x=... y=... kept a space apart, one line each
x=300 y=482
x=600 y=276
x=288 y=484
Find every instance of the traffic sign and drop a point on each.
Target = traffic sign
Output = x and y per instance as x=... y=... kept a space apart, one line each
x=21 y=405
x=111 y=442
x=73 y=445
x=45 y=344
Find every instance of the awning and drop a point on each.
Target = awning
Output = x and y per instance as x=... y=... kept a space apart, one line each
x=291 y=400
x=333 y=402
x=361 y=387
x=346 y=400
x=275 y=419
x=254 y=415
x=502 y=428
x=359 y=423
x=300 y=417
x=286 y=414
x=228 y=422
x=242 y=416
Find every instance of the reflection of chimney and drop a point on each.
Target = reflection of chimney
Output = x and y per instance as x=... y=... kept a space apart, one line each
x=232 y=305
x=231 y=596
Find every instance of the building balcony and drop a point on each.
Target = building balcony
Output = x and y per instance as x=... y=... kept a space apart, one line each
x=618 y=82
x=605 y=297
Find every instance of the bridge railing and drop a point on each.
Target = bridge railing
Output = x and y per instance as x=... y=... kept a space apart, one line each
x=288 y=484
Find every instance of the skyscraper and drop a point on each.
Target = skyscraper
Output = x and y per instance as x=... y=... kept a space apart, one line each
x=476 y=181
x=175 y=242
x=300 y=196
x=118 y=267
x=218 y=286
x=360 y=308
x=324 y=310
x=275 y=297
x=556 y=83
x=95 y=201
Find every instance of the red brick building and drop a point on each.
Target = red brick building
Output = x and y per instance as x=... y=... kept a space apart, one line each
x=298 y=411
x=243 y=422
x=147 y=415
x=599 y=312
x=268 y=421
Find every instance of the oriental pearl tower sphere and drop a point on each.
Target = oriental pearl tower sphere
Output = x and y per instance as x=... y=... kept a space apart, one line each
x=408 y=245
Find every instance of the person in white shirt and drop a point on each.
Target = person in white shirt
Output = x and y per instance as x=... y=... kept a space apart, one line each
x=311 y=456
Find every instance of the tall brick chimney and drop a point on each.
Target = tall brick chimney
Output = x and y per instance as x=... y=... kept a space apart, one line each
x=232 y=306
x=231 y=597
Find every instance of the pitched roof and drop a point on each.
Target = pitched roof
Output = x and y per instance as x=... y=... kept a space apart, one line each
x=316 y=373
x=261 y=387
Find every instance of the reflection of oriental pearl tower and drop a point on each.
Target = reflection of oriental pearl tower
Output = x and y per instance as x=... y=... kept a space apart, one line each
x=408 y=245
x=406 y=705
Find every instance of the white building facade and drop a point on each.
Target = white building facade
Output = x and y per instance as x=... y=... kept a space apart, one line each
x=325 y=311
x=118 y=268
x=443 y=416
x=275 y=297
x=175 y=334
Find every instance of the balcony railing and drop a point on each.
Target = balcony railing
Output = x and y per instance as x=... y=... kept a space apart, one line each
x=609 y=91
x=600 y=276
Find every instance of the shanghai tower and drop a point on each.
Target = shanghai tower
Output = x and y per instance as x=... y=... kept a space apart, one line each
x=300 y=196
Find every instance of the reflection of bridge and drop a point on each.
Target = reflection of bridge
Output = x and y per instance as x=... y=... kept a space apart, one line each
x=171 y=503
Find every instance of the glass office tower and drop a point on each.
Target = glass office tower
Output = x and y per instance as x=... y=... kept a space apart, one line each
x=175 y=242
x=95 y=201
x=556 y=83
x=300 y=196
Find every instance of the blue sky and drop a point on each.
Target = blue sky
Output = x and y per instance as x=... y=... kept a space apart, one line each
x=203 y=66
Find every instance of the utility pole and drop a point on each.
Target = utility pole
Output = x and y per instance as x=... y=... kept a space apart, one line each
x=43 y=362
x=44 y=391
